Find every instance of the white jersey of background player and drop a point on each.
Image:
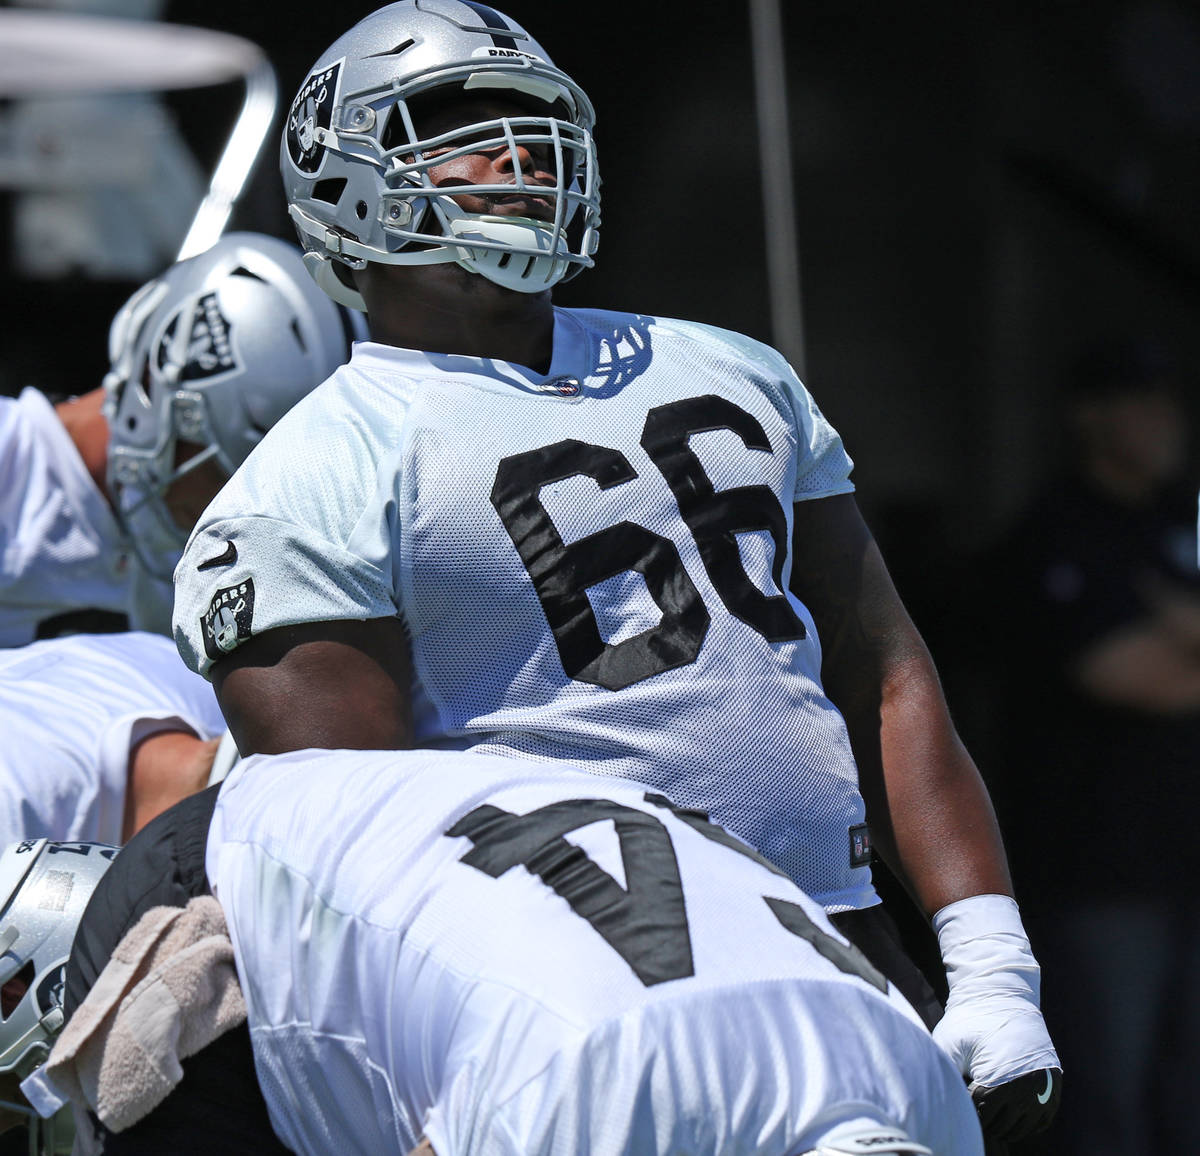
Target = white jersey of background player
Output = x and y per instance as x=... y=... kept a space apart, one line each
x=63 y=551
x=97 y=495
x=515 y=959
x=72 y=712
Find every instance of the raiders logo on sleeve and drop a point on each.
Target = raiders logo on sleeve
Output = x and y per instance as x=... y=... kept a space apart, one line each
x=227 y=621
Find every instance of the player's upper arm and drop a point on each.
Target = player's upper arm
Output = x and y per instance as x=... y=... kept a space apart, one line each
x=331 y=685
x=838 y=573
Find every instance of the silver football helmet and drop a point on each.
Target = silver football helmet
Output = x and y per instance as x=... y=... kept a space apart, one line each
x=356 y=170
x=44 y=887
x=213 y=352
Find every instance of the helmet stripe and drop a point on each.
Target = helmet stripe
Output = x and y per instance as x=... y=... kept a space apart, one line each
x=492 y=19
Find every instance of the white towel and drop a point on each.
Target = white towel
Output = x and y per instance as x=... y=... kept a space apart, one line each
x=170 y=989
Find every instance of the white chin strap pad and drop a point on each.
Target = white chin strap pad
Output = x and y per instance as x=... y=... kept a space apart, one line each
x=525 y=272
x=320 y=267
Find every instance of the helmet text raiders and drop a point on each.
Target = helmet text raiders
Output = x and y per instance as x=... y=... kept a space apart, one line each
x=357 y=170
x=213 y=353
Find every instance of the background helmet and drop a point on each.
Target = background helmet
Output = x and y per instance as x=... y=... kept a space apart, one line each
x=44 y=888
x=356 y=172
x=213 y=352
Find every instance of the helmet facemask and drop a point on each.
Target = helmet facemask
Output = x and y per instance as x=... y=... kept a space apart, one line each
x=527 y=254
x=44 y=889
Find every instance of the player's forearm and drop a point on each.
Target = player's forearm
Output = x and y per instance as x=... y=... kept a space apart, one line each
x=930 y=815
x=925 y=795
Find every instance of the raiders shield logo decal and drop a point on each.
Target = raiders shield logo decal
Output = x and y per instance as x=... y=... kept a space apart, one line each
x=210 y=349
x=227 y=621
x=312 y=110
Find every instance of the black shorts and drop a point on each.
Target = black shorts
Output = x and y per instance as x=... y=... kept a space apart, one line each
x=873 y=931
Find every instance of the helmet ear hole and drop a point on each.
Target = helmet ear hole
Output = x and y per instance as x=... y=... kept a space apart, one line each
x=330 y=191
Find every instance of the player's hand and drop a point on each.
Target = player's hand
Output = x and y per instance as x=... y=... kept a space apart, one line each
x=1000 y=1044
x=993 y=1028
x=1022 y=1107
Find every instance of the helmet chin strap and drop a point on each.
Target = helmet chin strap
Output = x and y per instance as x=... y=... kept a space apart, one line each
x=517 y=253
x=529 y=261
x=321 y=268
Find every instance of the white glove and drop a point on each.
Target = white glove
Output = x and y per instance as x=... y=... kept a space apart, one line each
x=993 y=1028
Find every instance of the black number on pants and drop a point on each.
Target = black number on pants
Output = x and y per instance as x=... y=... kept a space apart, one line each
x=562 y=574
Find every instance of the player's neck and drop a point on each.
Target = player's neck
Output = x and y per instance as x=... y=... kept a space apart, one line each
x=83 y=419
x=452 y=311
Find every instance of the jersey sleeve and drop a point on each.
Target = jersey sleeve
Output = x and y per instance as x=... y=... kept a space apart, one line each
x=304 y=532
x=284 y=574
x=823 y=466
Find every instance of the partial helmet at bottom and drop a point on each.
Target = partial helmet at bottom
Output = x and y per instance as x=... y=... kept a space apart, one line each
x=44 y=888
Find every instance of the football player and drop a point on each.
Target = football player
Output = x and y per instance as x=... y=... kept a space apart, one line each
x=44 y=888
x=622 y=542
x=490 y=955
x=97 y=494
x=101 y=733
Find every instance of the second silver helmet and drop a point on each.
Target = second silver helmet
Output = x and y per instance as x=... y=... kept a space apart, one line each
x=211 y=353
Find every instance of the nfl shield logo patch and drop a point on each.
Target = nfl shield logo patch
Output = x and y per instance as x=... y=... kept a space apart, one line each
x=860 y=845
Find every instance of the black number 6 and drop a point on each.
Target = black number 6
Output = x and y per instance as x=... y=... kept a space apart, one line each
x=562 y=574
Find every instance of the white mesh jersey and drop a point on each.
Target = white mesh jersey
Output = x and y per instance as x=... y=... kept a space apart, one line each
x=591 y=564
x=61 y=550
x=71 y=710
x=519 y=959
